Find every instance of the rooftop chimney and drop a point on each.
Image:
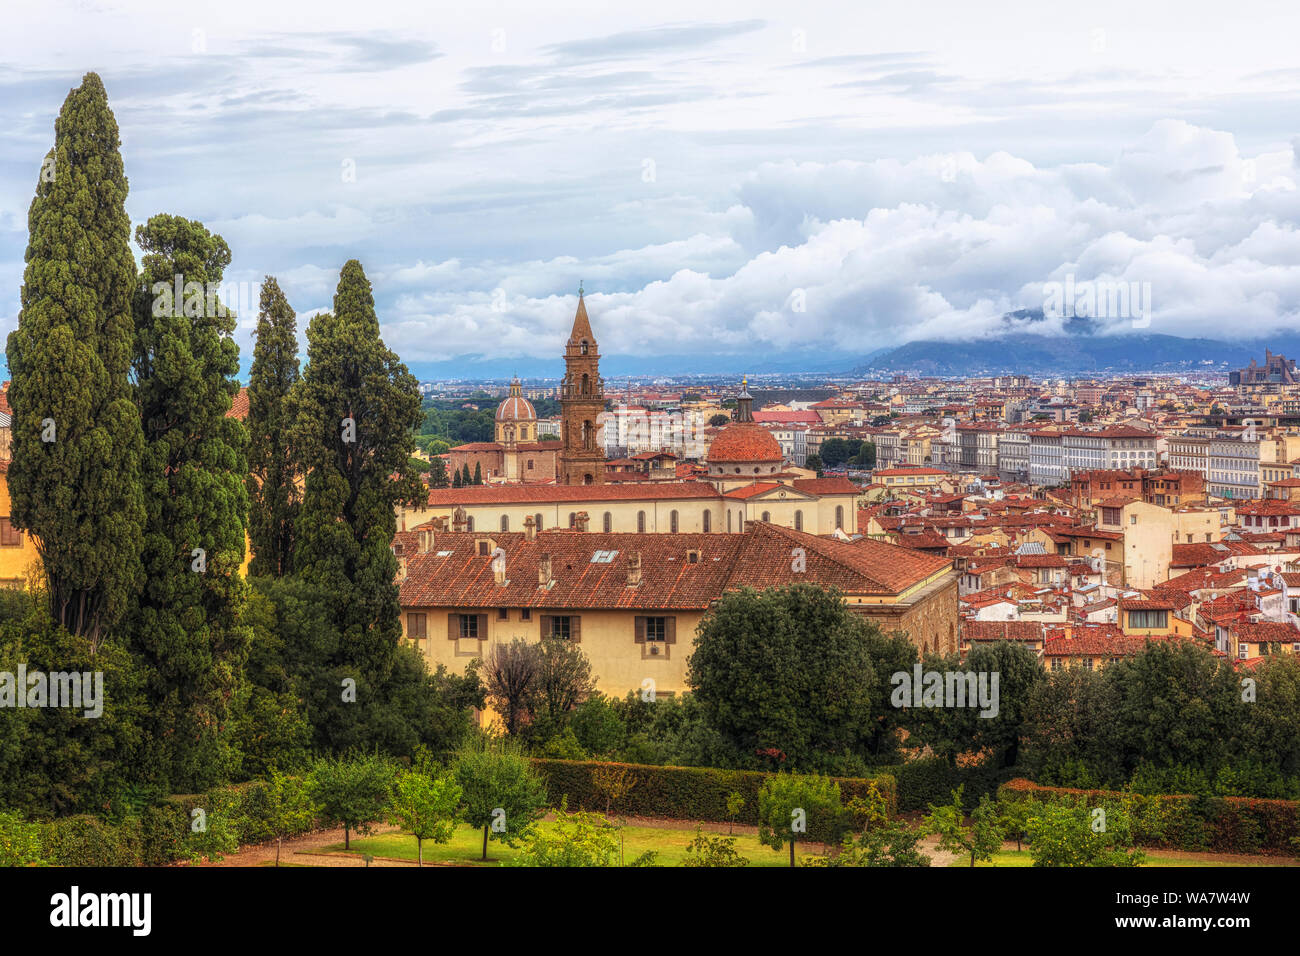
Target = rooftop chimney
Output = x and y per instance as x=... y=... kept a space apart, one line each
x=633 y=568
x=530 y=529
x=439 y=524
x=425 y=541
x=544 y=572
x=499 y=569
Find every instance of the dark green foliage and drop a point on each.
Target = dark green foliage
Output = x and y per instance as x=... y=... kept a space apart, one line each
x=501 y=793
x=355 y=409
x=80 y=493
x=789 y=670
x=273 y=471
x=351 y=792
x=185 y=626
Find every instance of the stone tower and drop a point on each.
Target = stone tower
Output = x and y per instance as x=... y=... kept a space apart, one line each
x=582 y=399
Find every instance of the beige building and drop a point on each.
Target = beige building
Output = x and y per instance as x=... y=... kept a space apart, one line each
x=634 y=601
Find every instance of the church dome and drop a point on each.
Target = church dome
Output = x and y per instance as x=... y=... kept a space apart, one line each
x=745 y=442
x=516 y=408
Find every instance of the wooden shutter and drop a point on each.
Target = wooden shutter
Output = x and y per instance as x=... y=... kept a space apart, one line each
x=670 y=630
x=639 y=629
x=482 y=627
x=575 y=629
x=453 y=627
x=546 y=626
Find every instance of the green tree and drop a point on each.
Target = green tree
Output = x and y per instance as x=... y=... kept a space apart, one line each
x=598 y=725
x=273 y=470
x=351 y=792
x=1062 y=835
x=788 y=803
x=889 y=844
x=707 y=850
x=466 y=478
x=289 y=808
x=185 y=622
x=355 y=409
x=510 y=675
x=789 y=668
x=718 y=420
x=577 y=839
x=437 y=473
x=981 y=839
x=501 y=792
x=814 y=462
x=456 y=480
x=563 y=681
x=74 y=478
x=425 y=807
x=478 y=474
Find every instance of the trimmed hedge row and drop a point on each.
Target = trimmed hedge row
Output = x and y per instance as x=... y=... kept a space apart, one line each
x=933 y=779
x=162 y=834
x=693 y=793
x=1185 y=821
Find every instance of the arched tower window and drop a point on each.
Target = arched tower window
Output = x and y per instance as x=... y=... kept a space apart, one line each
x=583 y=348
x=767 y=516
x=798 y=521
x=839 y=517
x=672 y=522
x=708 y=521
x=586 y=384
x=640 y=522
x=537 y=521
x=505 y=522
x=608 y=523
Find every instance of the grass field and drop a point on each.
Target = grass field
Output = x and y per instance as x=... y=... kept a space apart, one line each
x=467 y=846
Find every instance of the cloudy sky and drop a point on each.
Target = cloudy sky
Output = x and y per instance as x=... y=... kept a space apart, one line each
x=772 y=179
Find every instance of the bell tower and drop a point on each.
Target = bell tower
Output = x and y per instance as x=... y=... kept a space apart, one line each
x=582 y=399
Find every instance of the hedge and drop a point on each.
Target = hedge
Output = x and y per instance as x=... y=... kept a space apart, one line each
x=685 y=793
x=1186 y=821
x=933 y=779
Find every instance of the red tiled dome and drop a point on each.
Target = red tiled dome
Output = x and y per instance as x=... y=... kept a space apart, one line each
x=744 y=442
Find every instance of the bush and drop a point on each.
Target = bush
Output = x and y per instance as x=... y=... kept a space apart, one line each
x=1184 y=821
x=88 y=841
x=20 y=841
x=688 y=793
x=933 y=779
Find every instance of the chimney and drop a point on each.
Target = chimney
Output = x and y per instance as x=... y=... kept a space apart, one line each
x=459 y=520
x=580 y=521
x=544 y=572
x=499 y=570
x=633 y=568
x=425 y=540
x=530 y=529
x=401 y=568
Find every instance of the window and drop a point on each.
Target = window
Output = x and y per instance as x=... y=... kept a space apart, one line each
x=767 y=516
x=469 y=526
x=798 y=521
x=530 y=464
x=654 y=629
x=483 y=548
x=708 y=521
x=839 y=517
x=1087 y=663
x=505 y=522
x=564 y=626
x=10 y=537
x=672 y=521
x=572 y=519
x=469 y=627
x=1148 y=619
x=503 y=614
x=608 y=522
x=417 y=626
x=537 y=521
x=640 y=522
x=526 y=614
x=728 y=522
x=656 y=635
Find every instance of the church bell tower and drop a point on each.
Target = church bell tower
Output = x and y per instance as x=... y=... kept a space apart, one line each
x=582 y=399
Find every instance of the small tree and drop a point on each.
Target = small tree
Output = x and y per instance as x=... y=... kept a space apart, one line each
x=578 y=839
x=787 y=801
x=289 y=807
x=1061 y=835
x=1013 y=818
x=613 y=782
x=564 y=681
x=501 y=792
x=980 y=839
x=735 y=803
x=510 y=675
x=713 y=851
x=425 y=807
x=478 y=473
x=892 y=843
x=352 y=792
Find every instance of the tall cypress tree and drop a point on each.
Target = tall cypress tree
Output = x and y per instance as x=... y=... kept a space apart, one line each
x=356 y=409
x=273 y=472
x=185 y=627
x=75 y=475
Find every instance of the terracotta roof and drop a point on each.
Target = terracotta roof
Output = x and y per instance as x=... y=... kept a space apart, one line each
x=1001 y=631
x=238 y=405
x=825 y=486
x=454 y=574
x=515 y=408
x=541 y=494
x=1266 y=632
x=744 y=442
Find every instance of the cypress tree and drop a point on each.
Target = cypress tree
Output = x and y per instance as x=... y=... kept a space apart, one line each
x=356 y=409
x=273 y=472
x=455 y=480
x=185 y=627
x=75 y=476
x=478 y=474
x=465 y=477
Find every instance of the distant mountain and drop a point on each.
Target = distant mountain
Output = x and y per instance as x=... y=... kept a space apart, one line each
x=1072 y=355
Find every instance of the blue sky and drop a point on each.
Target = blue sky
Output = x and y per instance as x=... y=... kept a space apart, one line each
x=773 y=179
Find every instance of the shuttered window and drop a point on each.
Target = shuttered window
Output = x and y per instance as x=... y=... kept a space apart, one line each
x=417 y=626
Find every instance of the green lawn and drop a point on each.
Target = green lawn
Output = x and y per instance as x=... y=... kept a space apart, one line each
x=467 y=846
x=1022 y=858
